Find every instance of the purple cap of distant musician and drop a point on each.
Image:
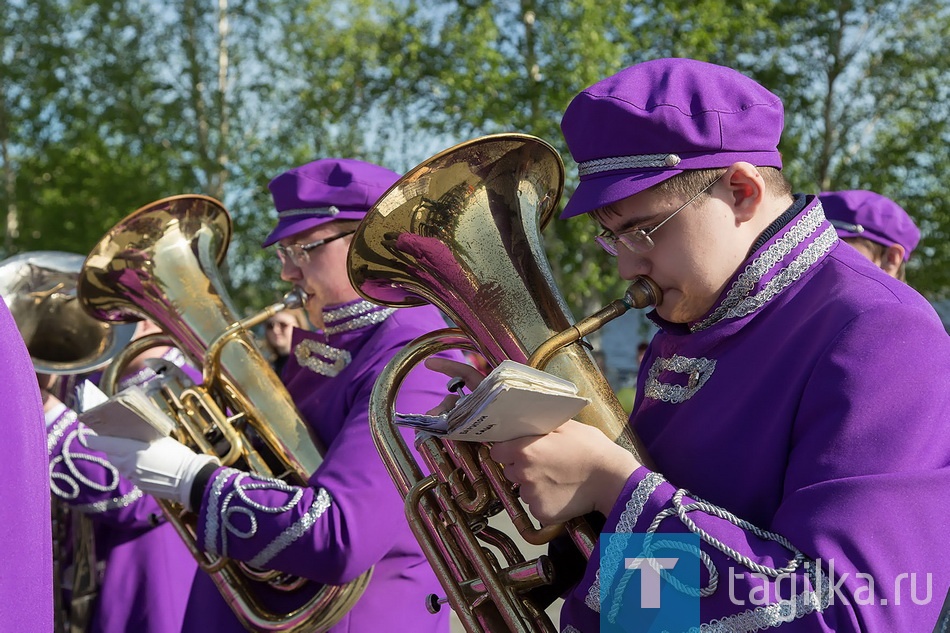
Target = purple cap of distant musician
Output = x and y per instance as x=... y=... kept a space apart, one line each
x=860 y=213
x=654 y=120
x=323 y=191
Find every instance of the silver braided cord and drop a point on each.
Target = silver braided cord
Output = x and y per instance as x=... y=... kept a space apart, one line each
x=635 y=161
x=708 y=508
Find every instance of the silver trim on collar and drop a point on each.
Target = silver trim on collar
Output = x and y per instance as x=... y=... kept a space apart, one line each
x=365 y=313
x=740 y=300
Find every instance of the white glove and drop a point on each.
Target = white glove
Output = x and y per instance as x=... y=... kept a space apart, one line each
x=165 y=468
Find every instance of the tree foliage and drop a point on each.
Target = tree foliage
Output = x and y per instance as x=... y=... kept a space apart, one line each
x=106 y=106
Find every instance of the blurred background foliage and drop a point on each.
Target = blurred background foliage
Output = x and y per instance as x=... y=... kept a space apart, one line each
x=108 y=105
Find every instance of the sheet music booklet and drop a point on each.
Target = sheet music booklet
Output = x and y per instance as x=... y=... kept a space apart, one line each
x=513 y=401
x=129 y=413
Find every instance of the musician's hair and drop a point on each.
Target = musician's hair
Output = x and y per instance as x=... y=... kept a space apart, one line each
x=346 y=225
x=687 y=183
x=878 y=252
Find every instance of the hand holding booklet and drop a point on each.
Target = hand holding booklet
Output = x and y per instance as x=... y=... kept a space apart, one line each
x=513 y=401
x=129 y=413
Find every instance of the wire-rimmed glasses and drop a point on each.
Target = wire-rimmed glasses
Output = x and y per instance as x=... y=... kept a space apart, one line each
x=639 y=240
x=299 y=254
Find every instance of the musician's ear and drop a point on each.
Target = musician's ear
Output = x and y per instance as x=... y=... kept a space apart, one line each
x=146 y=327
x=892 y=260
x=746 y=189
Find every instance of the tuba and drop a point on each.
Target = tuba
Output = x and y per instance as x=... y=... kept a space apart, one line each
x=161 y=262
x=462 y=231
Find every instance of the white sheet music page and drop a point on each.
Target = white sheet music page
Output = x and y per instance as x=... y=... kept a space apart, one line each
x=129 y=413
x=513 y=401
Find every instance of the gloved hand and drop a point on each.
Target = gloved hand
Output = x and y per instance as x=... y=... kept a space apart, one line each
x=165 y=468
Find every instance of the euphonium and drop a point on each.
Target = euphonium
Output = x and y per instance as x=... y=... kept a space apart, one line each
x=462 y=231
x=161 y=262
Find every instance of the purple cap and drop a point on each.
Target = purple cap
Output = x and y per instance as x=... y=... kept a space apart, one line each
x=323 y=191
x=654 y=120
x=859 y=213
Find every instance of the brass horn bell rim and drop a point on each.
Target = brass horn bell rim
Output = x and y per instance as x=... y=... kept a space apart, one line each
x=485 y=149
x=190 y=211
x=39 y=288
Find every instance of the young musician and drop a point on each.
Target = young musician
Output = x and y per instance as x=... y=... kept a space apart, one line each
x=875 y=225
x=350 y=518
x=143 y=573
x=794 y=400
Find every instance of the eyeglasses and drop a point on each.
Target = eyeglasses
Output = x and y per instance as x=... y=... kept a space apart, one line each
x=299 y=254
x=639 y=240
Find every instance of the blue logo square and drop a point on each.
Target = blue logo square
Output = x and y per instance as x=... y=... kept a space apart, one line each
x=649 y=583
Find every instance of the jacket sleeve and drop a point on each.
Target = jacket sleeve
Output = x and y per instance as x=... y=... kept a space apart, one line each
x=349 y=517
x=859 y=541
x=88 y=483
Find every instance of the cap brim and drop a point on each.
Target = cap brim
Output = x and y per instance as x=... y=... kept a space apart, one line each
x=846 y=233
x=873 y=237
x=288 y=227
x=599 y=191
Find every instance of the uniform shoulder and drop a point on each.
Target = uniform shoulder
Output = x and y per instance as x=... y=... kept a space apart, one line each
x=849 y=285
x=419 y=319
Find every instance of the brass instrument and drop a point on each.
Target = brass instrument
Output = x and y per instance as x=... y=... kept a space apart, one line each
x=39 y=288
x=462 y=231
x=161 y=262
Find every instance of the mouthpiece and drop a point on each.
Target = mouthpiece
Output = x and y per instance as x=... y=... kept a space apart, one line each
x=643 y=293
x=294 y=299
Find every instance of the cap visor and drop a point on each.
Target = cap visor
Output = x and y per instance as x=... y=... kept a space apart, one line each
x=599 y=191
x=288 y=227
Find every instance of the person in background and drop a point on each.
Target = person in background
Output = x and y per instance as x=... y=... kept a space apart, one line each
x=877 y=226
x=793 y=402
x=641 y=351
x=135 y=572
x=26 y=559
x=278 y=333
x=628 y=393
x=349 y=518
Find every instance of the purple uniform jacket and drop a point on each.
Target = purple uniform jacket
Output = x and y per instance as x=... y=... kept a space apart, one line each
x=351 y=517
x=812 y=402
x=26 y=563
x=146 y=571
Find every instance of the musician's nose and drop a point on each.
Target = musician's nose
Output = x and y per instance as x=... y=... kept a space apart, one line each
x=631 y=265
x=289 y=271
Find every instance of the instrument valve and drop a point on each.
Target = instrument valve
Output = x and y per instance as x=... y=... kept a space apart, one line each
x=434 y=603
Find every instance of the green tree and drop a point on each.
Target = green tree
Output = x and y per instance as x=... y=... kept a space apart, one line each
x=865 y=88
x=113 y=105
x=105 y=106
x=863 y=83
x=460 y=70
